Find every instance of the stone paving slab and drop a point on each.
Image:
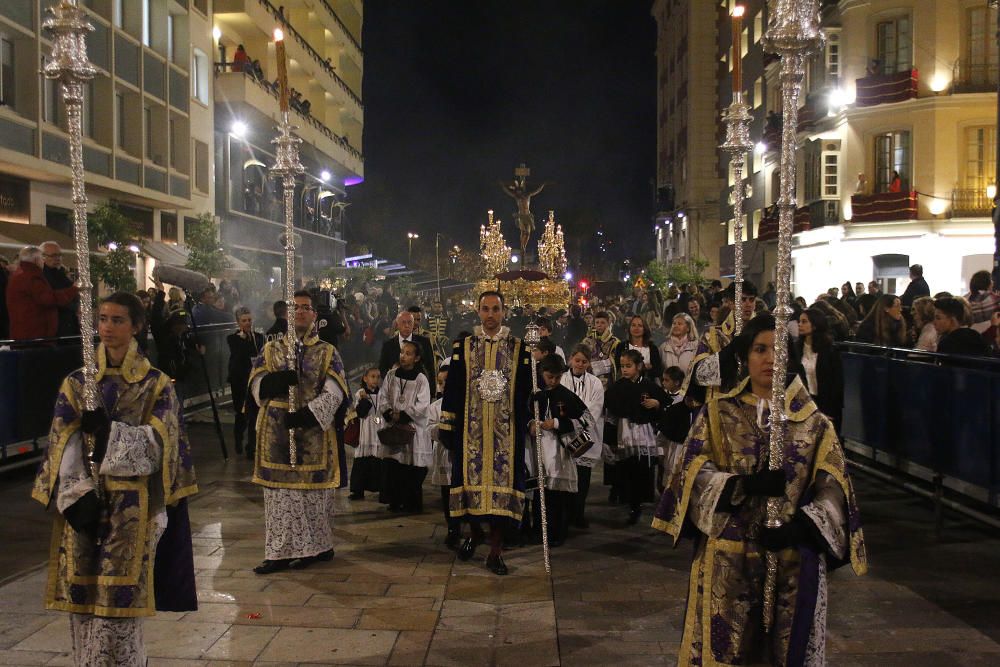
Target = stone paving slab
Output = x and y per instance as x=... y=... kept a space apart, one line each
x=393 y=595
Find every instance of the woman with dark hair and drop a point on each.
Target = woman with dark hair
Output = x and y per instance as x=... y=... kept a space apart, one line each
x=822 y=370
x=640 y=339
x=119 y=476
x=848 y=296
x=884 y=324
x=719 y=493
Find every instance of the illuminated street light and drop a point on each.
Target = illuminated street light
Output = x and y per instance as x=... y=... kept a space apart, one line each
x=409 y=252
x=238 y=129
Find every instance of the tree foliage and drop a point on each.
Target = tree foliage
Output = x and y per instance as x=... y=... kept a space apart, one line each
x=202 y=239
x=677 y=273
x=111 y=230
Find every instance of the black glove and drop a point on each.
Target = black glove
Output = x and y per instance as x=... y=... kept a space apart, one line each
x=303 y=418
x=84 y=516
x=796 y=532
x=277 y=383
x=97 y=424
x=364 y=407
x=769 y=483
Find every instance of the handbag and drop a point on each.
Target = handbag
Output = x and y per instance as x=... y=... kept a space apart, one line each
x=397 y=435
x=352 y=432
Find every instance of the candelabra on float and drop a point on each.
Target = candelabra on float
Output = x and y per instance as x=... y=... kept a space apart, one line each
x=493 y=247
x=737 y=119
x=68 y=64
x=552 y=249
x=287 y=167
x=793 y=33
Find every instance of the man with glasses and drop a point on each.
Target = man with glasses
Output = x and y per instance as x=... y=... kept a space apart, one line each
x=55 y=275
x=715 y=368
x=299 y=492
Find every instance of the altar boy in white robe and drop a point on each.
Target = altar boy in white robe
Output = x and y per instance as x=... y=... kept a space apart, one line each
x=585 y=384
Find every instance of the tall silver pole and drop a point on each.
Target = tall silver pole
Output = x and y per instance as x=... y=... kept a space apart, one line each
x=531 y=338
x=737 y=118
x=68 y=64
x=793 y=33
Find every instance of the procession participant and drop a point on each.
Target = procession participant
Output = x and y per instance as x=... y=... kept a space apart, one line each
x=563 y=414
x=298 y=496
x=441 y=468
x=484 y=416
x=405 y=461
x=545 y=332
x=632 y=405
x=714 y=369
x=604 y=364
x=437 y=326
x=366 y=471
x=244 y=346
x=585 y=385
x=107 y=535
x=718 y=493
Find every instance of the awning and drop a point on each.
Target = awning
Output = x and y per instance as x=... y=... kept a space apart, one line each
x=14 y=236
x=177 y=255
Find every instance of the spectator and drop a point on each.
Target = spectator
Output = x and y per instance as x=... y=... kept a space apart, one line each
x=896 y=185
x=923 y=324
x=32 y=303
x=4 y=315
x=837 y=322
x=681 y=345
x=280 y=326
x=240 y=59
x=848 y=296
x=576 y=328
x=866 y=301
x=983 y=300
x=244 y=345
x=992 y=335
x=822 y=370
x=206 y=312
x=954 y=338
x=328 y=318
x=884 y=325
x=173 y=339
x=55 y=276
x=917 y=287
x=770 y=296
x=142 y=336
x=694 y=310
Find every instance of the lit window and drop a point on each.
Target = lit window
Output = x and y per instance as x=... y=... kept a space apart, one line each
x=199 y=75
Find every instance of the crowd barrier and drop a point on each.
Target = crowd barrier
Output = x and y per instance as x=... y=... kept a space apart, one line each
x=935 y=417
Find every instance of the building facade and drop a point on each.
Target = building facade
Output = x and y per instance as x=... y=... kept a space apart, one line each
x=687 y=169
x=897 y=139
x=148 y=135
x=325 y=69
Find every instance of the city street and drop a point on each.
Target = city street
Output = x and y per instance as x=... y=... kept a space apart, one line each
x=394 y=595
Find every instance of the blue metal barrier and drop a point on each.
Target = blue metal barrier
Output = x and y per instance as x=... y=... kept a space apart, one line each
x=925 y=414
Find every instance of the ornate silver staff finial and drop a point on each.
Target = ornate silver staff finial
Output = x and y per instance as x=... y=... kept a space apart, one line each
x=793 y=33
x=68 y=64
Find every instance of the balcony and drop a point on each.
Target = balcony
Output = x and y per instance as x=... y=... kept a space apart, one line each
x=971 y=203
x=886 y=88
x=884 y=207
x=768 y=228
x=975 y=77
x=238 y=88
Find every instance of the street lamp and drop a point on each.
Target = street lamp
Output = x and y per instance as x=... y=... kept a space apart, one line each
x=409 y=252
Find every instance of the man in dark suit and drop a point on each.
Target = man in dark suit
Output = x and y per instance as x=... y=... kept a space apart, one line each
x=389 y=356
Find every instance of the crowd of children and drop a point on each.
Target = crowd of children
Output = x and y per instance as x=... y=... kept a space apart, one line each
x=627 y=416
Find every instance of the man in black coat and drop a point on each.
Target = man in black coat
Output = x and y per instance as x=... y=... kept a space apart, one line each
x=244 y=345
x=389 y=356
x=280 y=326
x=953 y=338
x=917 y=288
x=55 y=275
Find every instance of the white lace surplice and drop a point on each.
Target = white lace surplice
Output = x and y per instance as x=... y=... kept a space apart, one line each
x=107 y=642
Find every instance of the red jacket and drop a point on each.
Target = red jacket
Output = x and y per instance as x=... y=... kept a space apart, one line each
x=33 y=305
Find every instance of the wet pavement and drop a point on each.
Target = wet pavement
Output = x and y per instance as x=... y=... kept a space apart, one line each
x=394 y=595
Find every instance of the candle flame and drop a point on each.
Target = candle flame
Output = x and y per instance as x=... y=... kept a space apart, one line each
x=738 y=11
x=278 y=35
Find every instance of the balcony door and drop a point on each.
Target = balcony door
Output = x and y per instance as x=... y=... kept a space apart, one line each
x=894 y=45
x=892 y=158
x=980 y=53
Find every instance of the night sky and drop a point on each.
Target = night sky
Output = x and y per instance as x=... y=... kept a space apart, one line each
x=458 y=92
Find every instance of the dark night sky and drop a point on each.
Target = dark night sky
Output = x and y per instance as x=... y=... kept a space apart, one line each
x=458 y=92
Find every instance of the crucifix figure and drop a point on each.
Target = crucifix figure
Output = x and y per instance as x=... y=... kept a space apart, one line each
x=518 y=191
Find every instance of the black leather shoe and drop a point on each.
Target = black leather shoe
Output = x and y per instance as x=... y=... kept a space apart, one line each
x=325 y=556
x=496 y=565
x=453 y=541
x=269 y=566
x=633 y=517
x=302 y=563
x=468 y=549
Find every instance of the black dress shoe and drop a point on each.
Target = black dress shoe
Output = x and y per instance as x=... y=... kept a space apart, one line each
x=302 y=563
x=496 y=565
x=633 y=517
x=325 y=556
x=269 y=566
x=468 y=549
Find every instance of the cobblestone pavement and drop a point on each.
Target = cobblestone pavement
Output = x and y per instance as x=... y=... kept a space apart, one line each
x=393 y=595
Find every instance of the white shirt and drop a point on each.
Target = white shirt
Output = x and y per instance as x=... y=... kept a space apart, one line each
x=809 y=358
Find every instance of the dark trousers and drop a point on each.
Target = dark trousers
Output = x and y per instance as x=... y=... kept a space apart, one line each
x=557 y=507
x=243 y=422
x=366 y=474
x=402 y=485
x=454 y=524
x=636 y=477
x=578 y=503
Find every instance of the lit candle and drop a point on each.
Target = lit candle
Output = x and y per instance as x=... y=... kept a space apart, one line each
x=738 y=48
x=279 y=54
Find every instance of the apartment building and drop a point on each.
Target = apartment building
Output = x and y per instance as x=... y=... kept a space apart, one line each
x=148 y=130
